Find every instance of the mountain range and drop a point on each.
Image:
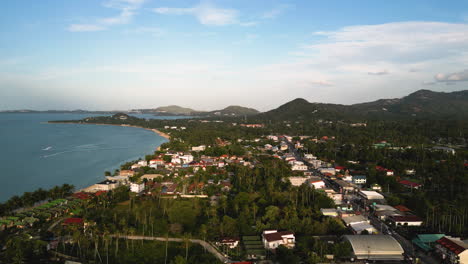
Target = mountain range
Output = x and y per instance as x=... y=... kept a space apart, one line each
x=233 y=111
x=422 y=104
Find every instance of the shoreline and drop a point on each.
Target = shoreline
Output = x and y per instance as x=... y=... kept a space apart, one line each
x=160 y=133
x=90 y=188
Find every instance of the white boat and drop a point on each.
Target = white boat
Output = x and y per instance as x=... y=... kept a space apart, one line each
x=48 y=148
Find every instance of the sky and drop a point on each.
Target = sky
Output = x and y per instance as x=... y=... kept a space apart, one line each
x=208 y=54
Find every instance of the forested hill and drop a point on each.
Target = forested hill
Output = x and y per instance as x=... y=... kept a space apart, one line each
x=422 y=104
x=233 y=111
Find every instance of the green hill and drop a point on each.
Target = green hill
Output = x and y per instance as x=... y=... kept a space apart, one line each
x=420 y=104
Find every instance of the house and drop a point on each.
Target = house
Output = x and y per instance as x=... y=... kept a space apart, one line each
x=128 y=173
x=405 y=220
x=106 y=185
x=316 y=182
x=137 y=187
x=359 y=179
x=273 y=239
x=427 y=242
x=445 y=149
x=358 y=223
x=376 y=187
x=370 y=195
x=452 y=250
x=228 y=242
x=332 y=171
x=389 y=172
x=298 y=181
x=143 y=163
x=410 y=184
x=156 y=162
x=299 y=167
x=199 y=148
x=329 y=212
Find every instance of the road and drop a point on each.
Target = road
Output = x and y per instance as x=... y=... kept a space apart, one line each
x=202 y=243
x=379 y=225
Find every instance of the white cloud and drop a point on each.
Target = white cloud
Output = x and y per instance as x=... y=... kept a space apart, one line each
x=205 y=13
x=84 y=28
x=127 y=10
x=452 y=77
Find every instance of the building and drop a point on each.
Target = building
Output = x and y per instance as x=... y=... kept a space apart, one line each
x=137 y=187
x=370 y=195
x=376 y=187
x=375 y=247
x=452 y=250
x=228 y=242
x=128 y=173
x=106 y=185
x=329 y=212
x=332 y=171
x=272 y=239
x=359 y=179
x=299 y=166
x=298 y=181
x=199 y=148
x=427 y=242
x=316 y=182
x=405 y=220
x=410 y=184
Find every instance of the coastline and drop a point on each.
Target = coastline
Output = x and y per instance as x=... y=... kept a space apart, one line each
x=91 y=187
x=162 y=134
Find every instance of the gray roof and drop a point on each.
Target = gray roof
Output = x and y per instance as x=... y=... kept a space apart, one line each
x=377 y=247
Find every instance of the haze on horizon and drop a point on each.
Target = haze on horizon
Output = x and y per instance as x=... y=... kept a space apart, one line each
x=127 y=54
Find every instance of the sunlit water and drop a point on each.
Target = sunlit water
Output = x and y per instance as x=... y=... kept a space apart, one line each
x=36 y=154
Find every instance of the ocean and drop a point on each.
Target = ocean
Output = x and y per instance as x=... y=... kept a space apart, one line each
x=35 y=154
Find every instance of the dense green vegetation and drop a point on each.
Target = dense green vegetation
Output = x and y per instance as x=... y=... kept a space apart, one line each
x=30 y=198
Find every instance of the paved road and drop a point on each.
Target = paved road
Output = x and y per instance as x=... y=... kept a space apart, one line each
x=202 y=243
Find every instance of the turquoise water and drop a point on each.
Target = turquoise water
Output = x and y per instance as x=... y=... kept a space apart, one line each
x=35 y=154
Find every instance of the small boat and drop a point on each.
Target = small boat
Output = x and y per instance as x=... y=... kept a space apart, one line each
x=48 y=148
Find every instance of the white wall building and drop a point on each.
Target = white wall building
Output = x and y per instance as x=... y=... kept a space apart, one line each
x=273 y=239
x=137 y=187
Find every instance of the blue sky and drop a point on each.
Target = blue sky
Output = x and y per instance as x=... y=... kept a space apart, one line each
x=123 y=54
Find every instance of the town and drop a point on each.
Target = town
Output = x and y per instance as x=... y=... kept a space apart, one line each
x=258 y=198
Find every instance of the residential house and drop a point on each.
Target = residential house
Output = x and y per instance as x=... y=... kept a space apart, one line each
x=199 y=148
x=298 y=181
x=359 y=179
x=410 y=184
x=272 y=239
x=329 y=212
x=316 y=182
x=137 y=187
x=228 y=242
x=452 y=250
x=405 y=220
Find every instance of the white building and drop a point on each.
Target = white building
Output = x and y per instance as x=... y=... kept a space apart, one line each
x=316 y=182
x=371 y=195
x=376 y=247
x=332 y=171
x=137 y=187
x=199 y=148
x=298 y=181
x=143 y=163
x=273 y=239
